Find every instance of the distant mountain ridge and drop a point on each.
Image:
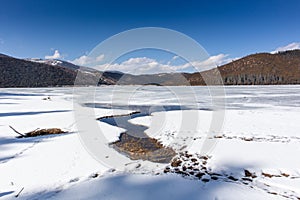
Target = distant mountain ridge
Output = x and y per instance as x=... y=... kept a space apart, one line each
x=263 y=69
x=255 y=69
x=44 y=73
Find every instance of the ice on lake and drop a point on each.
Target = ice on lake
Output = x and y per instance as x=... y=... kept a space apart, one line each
x=260 y=132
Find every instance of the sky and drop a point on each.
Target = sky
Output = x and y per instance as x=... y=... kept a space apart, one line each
x=69 y=30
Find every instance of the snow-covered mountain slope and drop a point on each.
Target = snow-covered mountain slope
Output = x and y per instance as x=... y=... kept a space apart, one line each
x=46 y=61
x=54 y=62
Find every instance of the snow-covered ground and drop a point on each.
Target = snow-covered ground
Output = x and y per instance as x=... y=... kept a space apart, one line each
x=260 y=134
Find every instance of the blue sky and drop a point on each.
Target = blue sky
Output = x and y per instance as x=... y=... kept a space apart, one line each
x=36 y=28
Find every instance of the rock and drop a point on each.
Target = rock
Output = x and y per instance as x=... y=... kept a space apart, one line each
x=183 y=173
x=247 y=179
x=187 y=155
x=274 y=193
x=218 y=136
x=199 y=175
x=138 y=166
x=205 y=180
x=285 y=174
x=176 y=162
x=204 y=157
x=267 y=175
x=232 y=178
x=249 y=174
x=248 y=139
x=215 y=174
x=95 y=175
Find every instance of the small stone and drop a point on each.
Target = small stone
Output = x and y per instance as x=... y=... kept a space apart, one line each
x=249 y=174
x=95 y=175
x=112 y=170
x=215 y=174
x=267 y=175
x=285 y=174
x=232 y=178
x=247 y=179
x=204 y=157
x=218 y=136
x=176 y=162
x=248 y=139
x=274 y=193
x=205 y=180
x=138 y=166
x=199 y=175
x=188 y=155
x=183 y=173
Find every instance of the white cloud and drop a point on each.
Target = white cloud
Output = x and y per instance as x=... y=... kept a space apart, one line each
x=56 y=55
x=292 y=46
x=140 y=65
x=175 y=57
x=212 y=62
x=144 y=65
x=86 y=60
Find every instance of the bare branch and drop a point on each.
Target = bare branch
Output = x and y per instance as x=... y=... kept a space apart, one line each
x=19 y=192
x=17 y=131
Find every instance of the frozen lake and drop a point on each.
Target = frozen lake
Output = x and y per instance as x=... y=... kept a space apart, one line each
x=237 y=97
x=259 y=133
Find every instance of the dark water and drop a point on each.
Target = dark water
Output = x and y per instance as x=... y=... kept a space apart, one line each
x=134 y=143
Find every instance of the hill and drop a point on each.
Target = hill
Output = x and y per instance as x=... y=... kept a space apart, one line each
x=44 y=73
x=255 y=69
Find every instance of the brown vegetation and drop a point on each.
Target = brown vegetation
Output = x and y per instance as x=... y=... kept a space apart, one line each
x=39 y=132
x=143 y=148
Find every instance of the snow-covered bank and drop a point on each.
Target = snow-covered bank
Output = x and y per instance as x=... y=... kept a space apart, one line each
x=260 y=133
x=43 y=163
x=147 y=187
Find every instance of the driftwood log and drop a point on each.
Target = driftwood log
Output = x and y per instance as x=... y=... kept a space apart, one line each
x=39 y=132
